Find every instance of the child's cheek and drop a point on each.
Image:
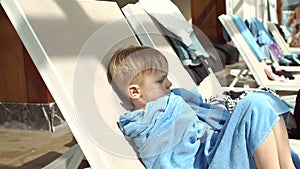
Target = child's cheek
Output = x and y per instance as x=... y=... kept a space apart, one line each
x=155 y=94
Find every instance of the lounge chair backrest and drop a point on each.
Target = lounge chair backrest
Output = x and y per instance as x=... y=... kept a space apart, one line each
x=276 y=34
x=248 y=49
x=244 y=47
x=67 y=41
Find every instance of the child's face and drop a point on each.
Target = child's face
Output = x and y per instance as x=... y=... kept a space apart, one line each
x=155 y=85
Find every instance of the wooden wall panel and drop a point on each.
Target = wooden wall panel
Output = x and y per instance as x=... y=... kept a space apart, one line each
x=37 y=91
x=19 y=78
x=279 y=11
x=12 y=74
x=205 y=16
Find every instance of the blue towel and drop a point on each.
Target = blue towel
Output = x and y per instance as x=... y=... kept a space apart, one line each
x=248 y=37
x=259 y=31
x=168 y=133
x=180 y=131
x=250 y=123
x=262 y=36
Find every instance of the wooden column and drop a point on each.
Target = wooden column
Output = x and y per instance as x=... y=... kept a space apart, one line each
x=279 y=11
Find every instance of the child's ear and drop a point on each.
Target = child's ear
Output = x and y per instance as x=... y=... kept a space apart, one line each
x=134 y=92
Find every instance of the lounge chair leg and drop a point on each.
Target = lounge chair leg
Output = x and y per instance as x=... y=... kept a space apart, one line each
x=237 y=77
x=69 y=160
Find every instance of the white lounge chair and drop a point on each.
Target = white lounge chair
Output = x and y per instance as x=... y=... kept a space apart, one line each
x=58 y=37
x=70 y=43
x=249 y=51
x=280 y=40
x=286 y=50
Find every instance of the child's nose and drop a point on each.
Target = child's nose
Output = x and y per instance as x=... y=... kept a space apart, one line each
x=169 y=83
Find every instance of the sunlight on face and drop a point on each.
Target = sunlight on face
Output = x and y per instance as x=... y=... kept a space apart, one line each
x=155 y=85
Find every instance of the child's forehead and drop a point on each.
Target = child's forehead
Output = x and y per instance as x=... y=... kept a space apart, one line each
x=160 y=72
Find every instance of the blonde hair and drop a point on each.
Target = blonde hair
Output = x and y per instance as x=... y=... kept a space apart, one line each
x=131 y=65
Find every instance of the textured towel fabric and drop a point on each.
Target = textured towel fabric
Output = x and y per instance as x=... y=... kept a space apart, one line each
x=168 y=134
x=261 y=35
x=248 y=37
x=267 y=44
x=259 y=31
x=180 y=131
x=250 y=123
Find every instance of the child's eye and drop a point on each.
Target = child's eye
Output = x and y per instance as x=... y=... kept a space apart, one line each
x=160 y=81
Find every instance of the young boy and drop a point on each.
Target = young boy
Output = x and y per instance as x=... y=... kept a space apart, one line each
x=175 y=129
